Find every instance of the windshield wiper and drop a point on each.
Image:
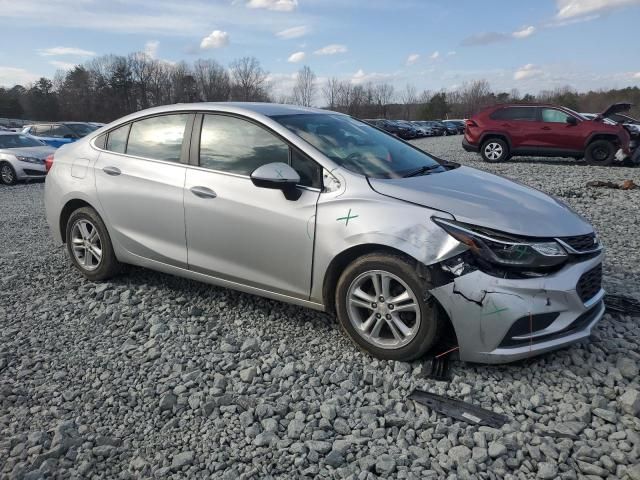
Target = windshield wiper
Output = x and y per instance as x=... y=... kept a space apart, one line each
x=421 y=171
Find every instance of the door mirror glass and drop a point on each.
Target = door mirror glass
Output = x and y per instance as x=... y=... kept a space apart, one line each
x=572 y=120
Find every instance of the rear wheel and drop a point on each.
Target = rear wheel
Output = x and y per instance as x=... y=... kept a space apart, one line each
x=494 y=150
x=7 y=174
x=383 y=306
x=600 y=152
x=89 y=245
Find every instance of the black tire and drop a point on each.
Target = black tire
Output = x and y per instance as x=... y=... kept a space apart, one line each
x=108 y=265
x=600 y=152
x=431 y=321
x=494 y=150
x=8 y=174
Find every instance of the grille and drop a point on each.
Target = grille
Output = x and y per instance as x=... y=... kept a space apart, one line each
x=582 y=243
x=590 y=283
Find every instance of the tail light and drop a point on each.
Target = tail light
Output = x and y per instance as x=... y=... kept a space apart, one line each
x=48 y=162
x=470 y=123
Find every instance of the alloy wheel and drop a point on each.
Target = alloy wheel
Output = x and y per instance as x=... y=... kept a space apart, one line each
x=86 y=244
x=383 y=309
x=6 y=172
x=493 y=151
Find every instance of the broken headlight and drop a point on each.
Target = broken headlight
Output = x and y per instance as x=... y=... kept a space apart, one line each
x=504 y=249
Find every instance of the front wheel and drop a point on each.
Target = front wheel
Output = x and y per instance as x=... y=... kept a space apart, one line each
x=384 y=307
x=7 y=174
x=600 y=152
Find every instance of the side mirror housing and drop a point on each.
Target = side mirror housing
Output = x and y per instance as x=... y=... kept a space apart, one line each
x=279 y=176
x=572 y=120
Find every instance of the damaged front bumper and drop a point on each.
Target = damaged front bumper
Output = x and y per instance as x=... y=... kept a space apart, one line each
x=500 y=320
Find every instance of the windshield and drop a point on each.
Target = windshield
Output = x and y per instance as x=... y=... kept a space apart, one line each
x=357 y=146
x=81 y=129
x=19 y=141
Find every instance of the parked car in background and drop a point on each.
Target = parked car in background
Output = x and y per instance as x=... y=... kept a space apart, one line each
x=436 y=128
x=22 y=157
x=502 y=131
x=403 y=131
x=423 y=129
x=456 y=126
x=56 y=134
x=322 y=210
x=448 y=128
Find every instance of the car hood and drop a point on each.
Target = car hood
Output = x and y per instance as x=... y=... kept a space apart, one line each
x=615 y=108
x=38 y=152
x=480 y=198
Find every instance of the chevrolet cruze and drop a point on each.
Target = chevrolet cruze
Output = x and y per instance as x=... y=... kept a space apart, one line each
x=321 y=210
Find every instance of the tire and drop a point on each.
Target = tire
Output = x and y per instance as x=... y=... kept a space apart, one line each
x=8 y=174
x=445 y=133
x=422 y=324
x=600 y=152
x=494 y=150
x=86 y=228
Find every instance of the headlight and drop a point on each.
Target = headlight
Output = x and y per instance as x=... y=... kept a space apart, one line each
x=29 y=159
x=504 y=249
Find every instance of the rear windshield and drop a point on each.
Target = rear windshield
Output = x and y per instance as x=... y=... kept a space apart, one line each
x=357 y=146
x=19 y=141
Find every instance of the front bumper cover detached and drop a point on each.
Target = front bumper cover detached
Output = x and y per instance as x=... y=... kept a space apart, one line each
x=500 y=320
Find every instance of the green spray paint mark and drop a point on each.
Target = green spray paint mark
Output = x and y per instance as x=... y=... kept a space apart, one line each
x=279 y=172
x=347 y=218
x=496 y=311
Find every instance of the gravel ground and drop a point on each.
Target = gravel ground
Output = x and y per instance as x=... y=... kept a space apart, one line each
x=152 y=376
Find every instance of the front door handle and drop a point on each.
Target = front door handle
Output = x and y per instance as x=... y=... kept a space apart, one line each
x=546 y=128
x=113 y=171
x=203 y=192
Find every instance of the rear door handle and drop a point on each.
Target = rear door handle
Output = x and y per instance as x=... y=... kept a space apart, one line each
x=546 y=128
x=203 y=192
x=112 y=171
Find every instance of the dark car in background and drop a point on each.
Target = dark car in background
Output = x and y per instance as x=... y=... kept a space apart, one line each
x=546 y=130
x=56 y=134
x=436 y=127
x=456 y=126
x=399 y=128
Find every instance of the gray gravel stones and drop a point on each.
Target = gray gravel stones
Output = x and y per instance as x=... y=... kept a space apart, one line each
x=152 y=376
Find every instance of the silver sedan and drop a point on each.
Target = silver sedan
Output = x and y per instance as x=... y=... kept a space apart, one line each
x=22 y=157
x=321 y=210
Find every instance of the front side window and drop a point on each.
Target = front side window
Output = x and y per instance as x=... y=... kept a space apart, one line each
x=357 y=146
x=159 y=138
x=554 y=116
x=61 y=131
x=19 y=140
x=310 y=172
x=41 y=130
x=81 y=129
x=117 y=139
x=234 y=145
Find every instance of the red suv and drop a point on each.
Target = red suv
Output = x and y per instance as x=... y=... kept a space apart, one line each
x=546 y=131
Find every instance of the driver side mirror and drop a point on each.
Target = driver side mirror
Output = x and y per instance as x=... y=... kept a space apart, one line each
x=572 y=120
x=277 y=175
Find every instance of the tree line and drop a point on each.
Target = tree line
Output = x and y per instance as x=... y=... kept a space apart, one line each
x=111 y=86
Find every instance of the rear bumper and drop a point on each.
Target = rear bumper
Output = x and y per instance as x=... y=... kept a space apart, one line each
x=469 y=147
x=500 y=320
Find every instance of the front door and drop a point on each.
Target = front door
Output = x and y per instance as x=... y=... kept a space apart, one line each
x=237 y=231
x=140 y=185
x=556 y=134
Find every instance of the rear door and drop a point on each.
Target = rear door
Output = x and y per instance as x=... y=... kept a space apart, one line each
x=237 y=231
x=519 y=122
x=140 y=183
x=555 y=133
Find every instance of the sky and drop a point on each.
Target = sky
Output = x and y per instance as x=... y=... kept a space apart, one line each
x=530 y=45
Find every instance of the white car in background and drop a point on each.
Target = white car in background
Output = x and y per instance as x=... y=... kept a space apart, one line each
x=22 y=157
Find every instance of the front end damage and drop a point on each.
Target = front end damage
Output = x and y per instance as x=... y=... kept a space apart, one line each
x=503 y=313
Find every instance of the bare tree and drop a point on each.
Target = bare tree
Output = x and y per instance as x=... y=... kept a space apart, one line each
x=249 y=80
x=304 y=89
x=330 y=92
x=409 y=99
x=212 y=80
x=383 y=95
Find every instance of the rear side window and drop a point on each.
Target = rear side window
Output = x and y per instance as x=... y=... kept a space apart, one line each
x=554 y=116
x=515 y=113
x=159 y=138
x=61 y=131
x=237 y=146
x=117 y=140
x=41 y=130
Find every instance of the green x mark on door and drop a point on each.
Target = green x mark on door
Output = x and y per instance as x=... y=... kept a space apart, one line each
x=279 y=172
x=347 y=218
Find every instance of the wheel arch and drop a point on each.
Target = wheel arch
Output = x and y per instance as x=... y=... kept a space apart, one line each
x=68 y=208
x=501 y=135
x=602 y=136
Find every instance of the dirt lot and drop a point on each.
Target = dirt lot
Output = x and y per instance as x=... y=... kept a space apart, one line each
x=151 y=376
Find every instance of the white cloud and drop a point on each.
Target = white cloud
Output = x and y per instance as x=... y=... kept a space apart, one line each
x=524 y=32
x=636 y=75
x=10 y=76
x=278 y=5
x=451 y=53
x=151 y=48
x=296 y=57
x=294 y=32
x=361 y=77
x=332 y=49
x=528 y=71
x=413 y=58
x=578 y=8
x=55 y=51
x=217 y=39
x=62 y=65
x=435 y=55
